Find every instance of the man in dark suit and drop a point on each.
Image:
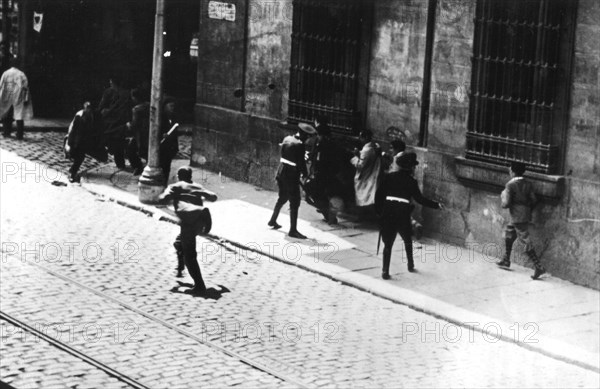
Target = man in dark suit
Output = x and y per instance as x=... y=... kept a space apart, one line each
x=115 y=109
x=291 y=168
x=325 y=168
x=195 y=219
x=169 y=145
x=137 y=131
x=393 y=203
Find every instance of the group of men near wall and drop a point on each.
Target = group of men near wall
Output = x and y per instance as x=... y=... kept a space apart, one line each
x=120 y=126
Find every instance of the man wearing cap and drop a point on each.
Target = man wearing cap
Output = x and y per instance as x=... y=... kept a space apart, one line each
x=195 y=219
x=518 y=196
x=393 y=204
x=292 y=166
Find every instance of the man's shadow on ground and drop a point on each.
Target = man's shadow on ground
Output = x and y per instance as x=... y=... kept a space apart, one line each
x=209 y=294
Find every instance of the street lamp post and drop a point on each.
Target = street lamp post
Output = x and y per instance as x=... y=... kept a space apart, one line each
x=151 y=182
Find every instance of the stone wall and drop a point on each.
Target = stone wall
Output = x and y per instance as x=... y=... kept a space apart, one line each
x=242 y=92
x=396 y=68
x=269 y=47
x=566 y=230
x=574 y=231
x=448 y=114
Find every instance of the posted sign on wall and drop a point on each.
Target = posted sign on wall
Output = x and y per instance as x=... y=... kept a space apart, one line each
x=221 y=11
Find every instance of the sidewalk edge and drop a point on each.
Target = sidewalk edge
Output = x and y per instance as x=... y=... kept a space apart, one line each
x=575 y=355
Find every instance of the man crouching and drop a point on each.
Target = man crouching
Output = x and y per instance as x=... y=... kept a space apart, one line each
x=194 y=218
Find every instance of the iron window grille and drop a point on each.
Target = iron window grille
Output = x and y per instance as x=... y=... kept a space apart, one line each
x=325 y=62
x=519 y=82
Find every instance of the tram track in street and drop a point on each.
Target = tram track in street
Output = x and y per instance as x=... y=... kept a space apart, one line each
x=72 y=351
x=294 y=381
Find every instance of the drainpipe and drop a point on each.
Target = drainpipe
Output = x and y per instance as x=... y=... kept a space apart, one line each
x=426 y=92
x=151 y=183
x=5 y=36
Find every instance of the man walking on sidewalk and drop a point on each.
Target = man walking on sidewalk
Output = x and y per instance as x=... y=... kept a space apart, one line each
x=194 y=218
x=292 y=166
x=519 y=198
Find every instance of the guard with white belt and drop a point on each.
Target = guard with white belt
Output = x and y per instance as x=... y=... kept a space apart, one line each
x=292 y=166
x=393 y=204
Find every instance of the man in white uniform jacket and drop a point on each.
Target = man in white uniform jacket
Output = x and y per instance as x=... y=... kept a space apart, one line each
x=15 y=101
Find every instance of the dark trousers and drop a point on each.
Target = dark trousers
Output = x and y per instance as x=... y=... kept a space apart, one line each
x=116 y=146
x=179 y=251
x=7 y=126
x=188 y=247
x=396 y=220
x=132 y=153
x=289 y=190
x=166 y=158
x=78 y=158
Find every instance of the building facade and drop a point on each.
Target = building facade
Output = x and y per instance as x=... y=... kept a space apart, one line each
x=471 y=85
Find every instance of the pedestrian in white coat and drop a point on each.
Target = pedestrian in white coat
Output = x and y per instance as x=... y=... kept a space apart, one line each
x=15 y=101
x=368 y=165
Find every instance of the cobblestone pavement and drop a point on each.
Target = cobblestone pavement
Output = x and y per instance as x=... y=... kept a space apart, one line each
x=47 y=148
x=95 y=267
x=28 y=362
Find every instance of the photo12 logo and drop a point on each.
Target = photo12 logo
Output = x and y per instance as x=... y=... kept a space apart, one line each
x=29 y=172
x=74 y=332
x=263 y=332
x=52 y=252
x=490 y=332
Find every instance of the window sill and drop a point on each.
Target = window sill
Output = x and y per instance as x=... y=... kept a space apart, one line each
x=492 y=178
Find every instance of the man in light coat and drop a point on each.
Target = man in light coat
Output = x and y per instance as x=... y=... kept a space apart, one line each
x=368 y=165
x=15 y=101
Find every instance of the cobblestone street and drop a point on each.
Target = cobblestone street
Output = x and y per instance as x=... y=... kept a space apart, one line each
x=99 y=277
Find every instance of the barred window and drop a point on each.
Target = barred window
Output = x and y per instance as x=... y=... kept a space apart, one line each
x=520 y=80
x=325 y=62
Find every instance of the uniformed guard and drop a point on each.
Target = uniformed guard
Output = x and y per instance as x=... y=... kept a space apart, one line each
x=195 y=219
x=393 y=203
x=292 y=166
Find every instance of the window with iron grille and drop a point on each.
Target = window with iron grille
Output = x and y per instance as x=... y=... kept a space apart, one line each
x=325 y=62
x=520 y=82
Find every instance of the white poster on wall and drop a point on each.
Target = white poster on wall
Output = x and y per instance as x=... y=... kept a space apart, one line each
x=37 y=21
x=221 y=11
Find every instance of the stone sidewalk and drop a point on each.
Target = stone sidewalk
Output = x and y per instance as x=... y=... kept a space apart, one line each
x=457 y=284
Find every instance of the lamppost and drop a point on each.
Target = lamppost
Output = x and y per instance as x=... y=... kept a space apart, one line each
x=151 y=182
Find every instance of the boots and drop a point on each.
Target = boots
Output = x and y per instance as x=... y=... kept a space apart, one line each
x=293 y=223
x=387 y=256
x=180 y=264
x=408 y=246
x=180 y=259
x=273 y=222
x=6 y=127
x=505 y=262
x=20 y=129
x=539 y=269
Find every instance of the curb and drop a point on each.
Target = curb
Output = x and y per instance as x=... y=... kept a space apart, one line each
x=184 y=131
x=47 y=129
x=413 y=300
